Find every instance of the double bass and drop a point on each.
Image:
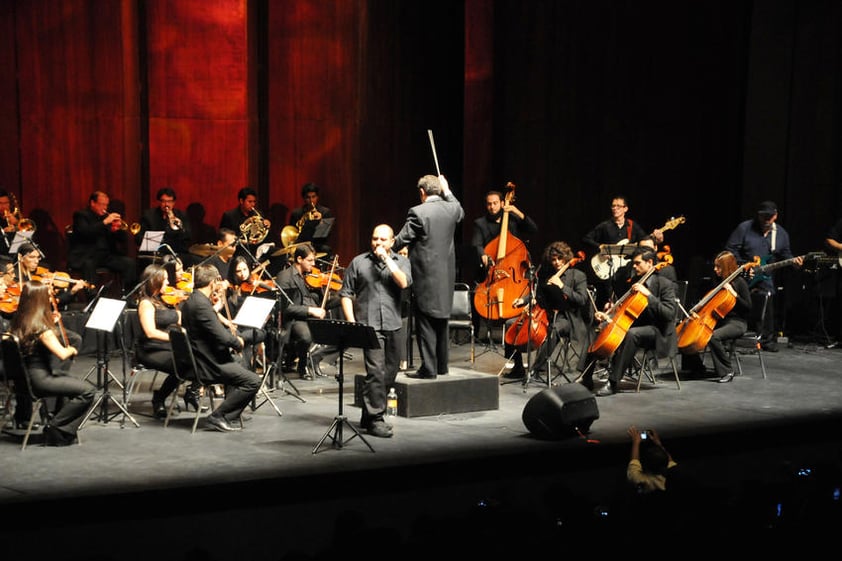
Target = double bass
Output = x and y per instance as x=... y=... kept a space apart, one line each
x=621 y=316
x=506 y=278
x=694 y=331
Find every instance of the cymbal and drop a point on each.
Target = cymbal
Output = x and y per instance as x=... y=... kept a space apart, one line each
x=287 y=250
x=208 y=249
x=320 y=255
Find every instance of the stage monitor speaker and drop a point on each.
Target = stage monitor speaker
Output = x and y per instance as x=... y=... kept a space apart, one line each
x=560 y=412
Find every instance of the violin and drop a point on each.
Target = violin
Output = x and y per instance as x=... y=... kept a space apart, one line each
x=185 y=282
x=318 y=279
x=255 y=285
x=58 y=280
x=9 y=303
x=174 y=296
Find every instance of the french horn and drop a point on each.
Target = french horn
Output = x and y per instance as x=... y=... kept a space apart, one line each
x=253 y=229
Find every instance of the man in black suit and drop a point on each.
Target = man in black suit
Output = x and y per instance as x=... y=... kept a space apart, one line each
x=309 y=216
x=176 y=228
x=233 y=219
x=98 y=240
x=212 y=344
x=428 y=232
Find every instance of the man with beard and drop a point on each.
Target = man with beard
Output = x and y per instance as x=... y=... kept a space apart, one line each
x=487 y=228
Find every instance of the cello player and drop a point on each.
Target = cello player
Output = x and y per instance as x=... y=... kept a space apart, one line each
x=487 y=228
x=654 y=328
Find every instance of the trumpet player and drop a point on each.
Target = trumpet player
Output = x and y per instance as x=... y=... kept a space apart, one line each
x=100 y=240
x=308 y=216
x=172 y=222
x=8 y=221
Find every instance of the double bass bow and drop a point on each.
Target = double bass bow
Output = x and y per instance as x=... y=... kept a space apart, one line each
x=694 y=331
x=621 y=316
x=506 y=279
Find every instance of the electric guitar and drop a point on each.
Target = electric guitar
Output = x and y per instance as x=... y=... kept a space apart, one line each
x=762 y=273
x=603 y=263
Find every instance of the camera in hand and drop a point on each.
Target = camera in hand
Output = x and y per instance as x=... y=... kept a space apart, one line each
x=644 y=435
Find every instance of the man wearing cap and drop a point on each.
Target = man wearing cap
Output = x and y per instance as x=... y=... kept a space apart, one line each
x=763 y=237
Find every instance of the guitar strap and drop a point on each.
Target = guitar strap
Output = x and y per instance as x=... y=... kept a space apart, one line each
x=774 y=236
x=629 y=228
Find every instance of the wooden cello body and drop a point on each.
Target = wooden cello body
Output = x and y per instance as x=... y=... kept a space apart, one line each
x=533 y=332
x=694 y=332
x=506 y=279
x=621 y=316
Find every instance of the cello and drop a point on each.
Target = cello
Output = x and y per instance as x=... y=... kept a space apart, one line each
x=505 y=280
x=536 y=331
x=695 y=330
x=621 y=316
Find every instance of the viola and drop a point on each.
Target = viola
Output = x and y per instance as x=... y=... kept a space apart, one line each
x=694 y=332
x=318 y=279
x=621 y=317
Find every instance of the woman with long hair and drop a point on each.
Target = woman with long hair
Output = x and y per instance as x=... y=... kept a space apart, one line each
x=735 y=322
x=43 y=352
x=153 y=340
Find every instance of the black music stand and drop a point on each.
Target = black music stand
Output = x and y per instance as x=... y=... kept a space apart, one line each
x=342 y=334
x=103 y=319
x=253 y=313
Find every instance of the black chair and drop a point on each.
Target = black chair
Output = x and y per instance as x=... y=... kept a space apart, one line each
x=186 y=370
x=749 y=342
x=131 y=335
x=16 y=370
x=461 y=313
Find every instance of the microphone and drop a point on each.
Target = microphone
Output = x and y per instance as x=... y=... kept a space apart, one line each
x=169 y=248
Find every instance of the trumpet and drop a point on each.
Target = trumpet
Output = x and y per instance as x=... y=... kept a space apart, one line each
x=23 y=224
x=134 y=227
x=175 y=222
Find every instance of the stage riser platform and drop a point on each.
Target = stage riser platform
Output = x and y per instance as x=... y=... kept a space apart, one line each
x=457 y=392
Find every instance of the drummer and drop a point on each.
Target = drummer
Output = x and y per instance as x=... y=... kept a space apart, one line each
x=218 y=255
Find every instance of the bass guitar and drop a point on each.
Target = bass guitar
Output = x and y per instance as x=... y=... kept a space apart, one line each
x=611 y=258
x=695 y=330
x=620 y=318
x=762 y=272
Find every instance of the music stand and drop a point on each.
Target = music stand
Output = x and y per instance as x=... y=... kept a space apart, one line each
x=342 y=334
x=21 y=236
x=253 y=313
x=103 y=319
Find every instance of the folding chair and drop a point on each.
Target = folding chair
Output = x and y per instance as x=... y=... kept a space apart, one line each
x=132 y=333
x=461 y=315
x=749 y=342
x=187 y=372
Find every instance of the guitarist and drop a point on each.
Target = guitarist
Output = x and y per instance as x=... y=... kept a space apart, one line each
x=613 y=231
x=762 y=236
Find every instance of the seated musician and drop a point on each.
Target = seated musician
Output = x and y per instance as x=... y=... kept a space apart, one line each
x=565 y=298
x=621 y=280
x=735 y=322
x=301 y=302
x=243 y=285
x=653 y=329
x=28 y=267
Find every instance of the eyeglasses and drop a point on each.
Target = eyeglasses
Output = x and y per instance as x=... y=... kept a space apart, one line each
x=618 y=206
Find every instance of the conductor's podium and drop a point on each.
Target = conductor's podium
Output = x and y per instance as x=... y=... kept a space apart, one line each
x=460 y=391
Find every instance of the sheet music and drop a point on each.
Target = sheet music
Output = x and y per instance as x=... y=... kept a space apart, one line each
x=105 y=314
x=152 y=240
x=254 y=312
x=21 y=236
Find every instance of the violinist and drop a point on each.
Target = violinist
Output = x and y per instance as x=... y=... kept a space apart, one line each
x=98 y=240
x=301 y=303
x=236 y=295
x=153 y=341
x=487 y=228
x=9 y=292
x=62 y=293
x=654 y=327
x=212 y=344
x=735 y=322
x=171 y=221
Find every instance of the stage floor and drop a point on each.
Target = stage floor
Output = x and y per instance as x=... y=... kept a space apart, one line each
x=271 y=489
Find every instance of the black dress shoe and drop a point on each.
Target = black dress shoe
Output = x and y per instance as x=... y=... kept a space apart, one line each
x=379 y=429
x=56 y=437
x=608 y=389
x=421 y=376
x=515 y=373
x=726 y=378
x=220 y=424
x=588 y=383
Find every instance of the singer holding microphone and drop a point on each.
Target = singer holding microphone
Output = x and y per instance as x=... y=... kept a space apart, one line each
x=173 y=223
